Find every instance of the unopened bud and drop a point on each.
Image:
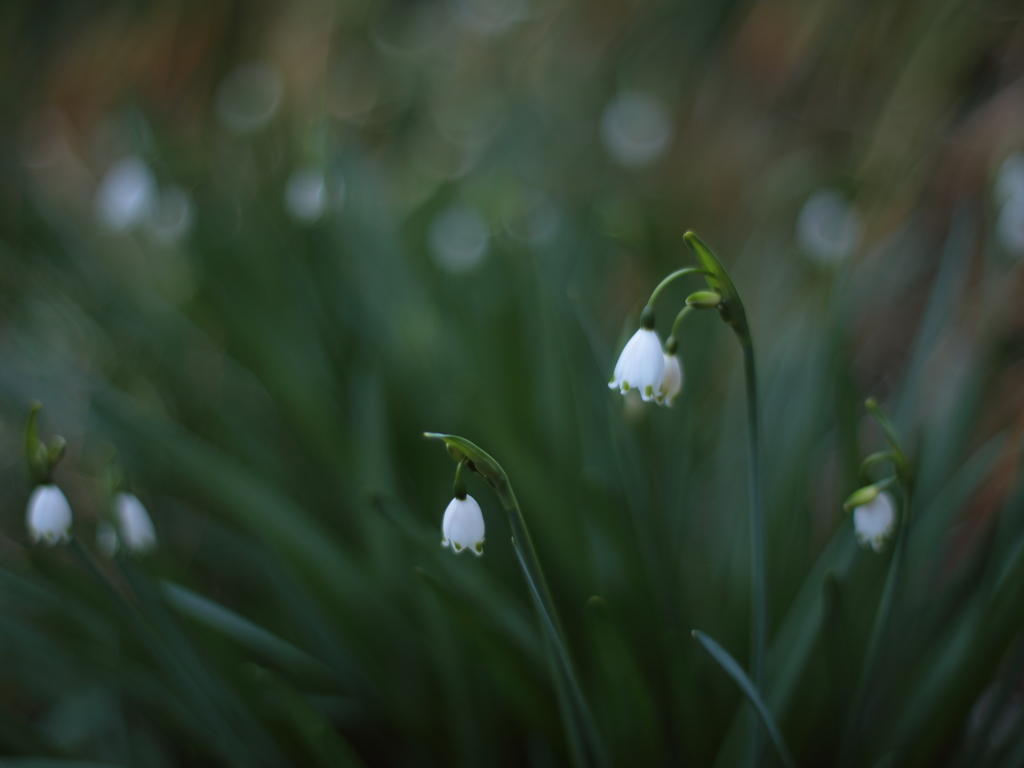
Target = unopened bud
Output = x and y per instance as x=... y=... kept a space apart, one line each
x=861 y=496
x=704 y=299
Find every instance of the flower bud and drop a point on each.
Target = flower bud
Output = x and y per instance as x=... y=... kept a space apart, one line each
x=704 y=299
x=463 y=526
x=861 y=496
x=133 y=522
x=48 y=516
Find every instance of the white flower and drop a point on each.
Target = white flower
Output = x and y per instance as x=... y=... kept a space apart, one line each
x=641 y=365
x=1010 y=226
x=874 y=522
x=829 y=227
x=463 y=526
x=671 y=381
x=49 y=516
x=106 y=538
x=134 y=524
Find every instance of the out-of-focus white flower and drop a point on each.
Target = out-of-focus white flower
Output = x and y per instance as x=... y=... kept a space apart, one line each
x=458 y=238
x=248 y=97
x=635 y=128
x=875 y=521
x=641 y=365
x=305 y=195
x=829 y=227
x=136 y=529
x=1010 y=181
x=127 y=195
x=48 y=516
x=671 y=381
x=106 y=538
x=172 y=216
x=463 y=526
x=1010 y=226
x=490 y=17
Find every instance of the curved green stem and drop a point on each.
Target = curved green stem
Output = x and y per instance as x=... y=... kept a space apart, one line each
x=875 y=458
x=673 y=276
x=584 y=742
x=683 y=313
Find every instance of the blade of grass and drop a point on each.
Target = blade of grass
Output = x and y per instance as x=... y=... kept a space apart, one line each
x=245 y=632
x=735 y=671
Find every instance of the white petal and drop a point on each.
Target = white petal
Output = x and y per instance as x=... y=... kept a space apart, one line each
x=106 y=538
x=874 y=522
x=463 y=525
x=133 y=520
x=48 y=516
x=671 y=381
x=640 y=365
x=650 y=365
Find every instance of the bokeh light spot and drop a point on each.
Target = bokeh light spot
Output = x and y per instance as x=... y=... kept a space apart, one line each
x=829 y=227
x=635 y=128
x=249 y=96
x=127 y=194
x=458 y=238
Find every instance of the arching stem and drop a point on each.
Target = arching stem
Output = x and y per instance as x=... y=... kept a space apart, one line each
x=673 y=276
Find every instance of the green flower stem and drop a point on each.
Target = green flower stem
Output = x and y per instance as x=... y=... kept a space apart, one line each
x=851 y=736
x=758 y=578
x=673 y=276
x=734 y=315
x=584 y=742
x=683 y=313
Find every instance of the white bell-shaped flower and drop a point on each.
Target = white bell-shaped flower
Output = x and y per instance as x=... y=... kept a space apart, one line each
x=641 y=365
x=463 y=526
x=671 y=381
x=106 y=538
x=136 y=528
x=875 y=521
x=48 y=516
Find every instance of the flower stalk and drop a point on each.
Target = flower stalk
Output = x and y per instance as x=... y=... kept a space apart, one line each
x=660 y=379
x=731 y=310
x=584 y=743
x=48 y=516
x=904 y=478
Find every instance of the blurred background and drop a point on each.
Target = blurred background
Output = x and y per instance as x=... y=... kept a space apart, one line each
x=251 y=251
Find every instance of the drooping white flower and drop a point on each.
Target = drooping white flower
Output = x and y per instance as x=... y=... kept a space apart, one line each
x=641 y=365
x=136 y=528
x=875 y=521
x=463 y=526
x=48 y=516
x=127 y=194
x=671 y=381
x=829 y=227
x=1010 y=226
x=106 y=538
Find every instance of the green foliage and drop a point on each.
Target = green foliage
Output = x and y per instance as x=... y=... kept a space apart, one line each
x=486 y=233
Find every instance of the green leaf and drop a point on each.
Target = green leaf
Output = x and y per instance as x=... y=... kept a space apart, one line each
x=728 y=663
x=245 y=632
